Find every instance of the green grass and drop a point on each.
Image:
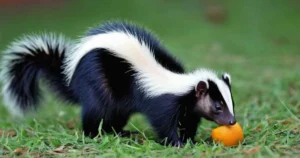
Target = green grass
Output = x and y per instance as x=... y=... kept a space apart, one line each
x=259 y=45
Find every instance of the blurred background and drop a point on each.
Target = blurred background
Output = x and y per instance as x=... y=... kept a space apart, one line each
x=257 y=41
x=191 y=28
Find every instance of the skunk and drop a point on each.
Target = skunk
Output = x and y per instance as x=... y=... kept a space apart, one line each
x=115 y=70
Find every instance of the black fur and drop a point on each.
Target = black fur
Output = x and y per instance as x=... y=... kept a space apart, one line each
x=111 y=80
x=226 y=80
x=218 y=99
x=188 y=119
x=214 y=92
x=107 y=91
x=103 y=85
x=143 y=35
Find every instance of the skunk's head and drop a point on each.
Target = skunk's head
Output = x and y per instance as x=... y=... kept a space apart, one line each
x=214 y=100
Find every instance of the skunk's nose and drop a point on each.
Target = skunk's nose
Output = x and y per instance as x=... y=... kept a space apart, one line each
x=232 y=122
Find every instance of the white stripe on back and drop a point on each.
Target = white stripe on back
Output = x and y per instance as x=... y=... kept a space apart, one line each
x=152 y=77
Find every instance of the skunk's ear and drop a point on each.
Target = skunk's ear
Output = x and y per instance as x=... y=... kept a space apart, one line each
x=201 y=88
x=226 y=78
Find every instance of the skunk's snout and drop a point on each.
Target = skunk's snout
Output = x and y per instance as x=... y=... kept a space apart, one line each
x=227 y=120
x=232 y=122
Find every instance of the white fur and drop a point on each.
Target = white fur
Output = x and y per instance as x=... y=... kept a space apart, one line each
x=152 y=77
x=227 y=76
x=19 y=46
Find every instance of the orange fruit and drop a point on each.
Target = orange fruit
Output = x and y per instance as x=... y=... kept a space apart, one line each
x=228 y=135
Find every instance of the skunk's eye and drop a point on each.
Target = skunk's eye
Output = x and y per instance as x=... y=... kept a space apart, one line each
x=218 y=107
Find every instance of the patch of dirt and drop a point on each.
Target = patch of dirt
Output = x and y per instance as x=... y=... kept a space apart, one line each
x=284 y=122
x=30 y=132
x=61 y=150
x=20 y=151
x=295 y=131
x=71 y=124
x=215 y=12
x=257 y=129
x=58 y=151
x=280 y=41
x=253 y=150
x=10 y=133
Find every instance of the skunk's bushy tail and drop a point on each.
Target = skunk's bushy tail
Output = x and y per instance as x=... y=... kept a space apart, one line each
x=24 y=62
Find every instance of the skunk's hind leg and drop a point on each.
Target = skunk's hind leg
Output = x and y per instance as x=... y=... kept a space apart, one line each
x=93 y=109
x=92 y=118
x=92 y=113
x=118 y=122
x=95 y=113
